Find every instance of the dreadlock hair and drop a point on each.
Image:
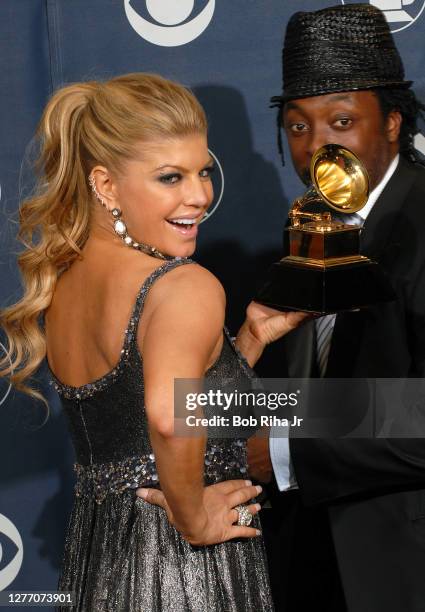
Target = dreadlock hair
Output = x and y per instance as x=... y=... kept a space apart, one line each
x=411 y=109
x=277 y=102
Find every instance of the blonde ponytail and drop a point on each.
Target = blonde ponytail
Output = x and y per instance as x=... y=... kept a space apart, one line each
x=83 y=125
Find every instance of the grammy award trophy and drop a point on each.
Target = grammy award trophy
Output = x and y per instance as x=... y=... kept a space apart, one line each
x=324 y=272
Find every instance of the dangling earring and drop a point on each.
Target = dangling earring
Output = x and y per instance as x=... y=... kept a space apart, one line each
x=120 y=227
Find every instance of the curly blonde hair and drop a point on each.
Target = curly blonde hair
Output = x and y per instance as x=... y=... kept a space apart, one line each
x=83 y=125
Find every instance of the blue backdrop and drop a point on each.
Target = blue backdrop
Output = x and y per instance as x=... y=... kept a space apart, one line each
x=229 y=53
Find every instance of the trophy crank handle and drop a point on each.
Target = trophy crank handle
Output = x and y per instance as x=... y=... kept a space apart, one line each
x=296 y=214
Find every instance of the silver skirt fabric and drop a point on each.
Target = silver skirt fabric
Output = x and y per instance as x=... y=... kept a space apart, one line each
x=123 y=555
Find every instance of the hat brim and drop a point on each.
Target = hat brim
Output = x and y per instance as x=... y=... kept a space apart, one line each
x=323 y=89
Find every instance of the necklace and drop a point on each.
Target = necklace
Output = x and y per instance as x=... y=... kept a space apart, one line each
x=120 y=229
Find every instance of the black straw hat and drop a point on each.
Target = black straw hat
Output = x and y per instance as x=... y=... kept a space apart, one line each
x=340 y=48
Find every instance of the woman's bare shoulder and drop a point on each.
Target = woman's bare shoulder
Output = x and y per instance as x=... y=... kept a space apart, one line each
x=190 y=282
x=183 y=319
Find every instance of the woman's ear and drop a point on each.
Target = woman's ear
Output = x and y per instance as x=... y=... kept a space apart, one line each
x=105 y=186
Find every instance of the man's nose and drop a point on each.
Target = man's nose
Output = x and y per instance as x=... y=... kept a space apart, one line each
x=318 y=138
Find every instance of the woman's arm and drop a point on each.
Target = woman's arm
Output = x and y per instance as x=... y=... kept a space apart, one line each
x=181 y=337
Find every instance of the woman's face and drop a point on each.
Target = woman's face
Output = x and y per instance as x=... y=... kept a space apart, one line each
x=165 y=191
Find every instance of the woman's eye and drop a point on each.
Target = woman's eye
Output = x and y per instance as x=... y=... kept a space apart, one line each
x=170 y=179
x=206 y=172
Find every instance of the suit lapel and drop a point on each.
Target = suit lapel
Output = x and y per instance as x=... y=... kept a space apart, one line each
x=300 y=349
x=378 y=234
x=379 y=241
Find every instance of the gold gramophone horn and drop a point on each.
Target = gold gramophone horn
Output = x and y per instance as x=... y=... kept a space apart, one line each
x=340 y=178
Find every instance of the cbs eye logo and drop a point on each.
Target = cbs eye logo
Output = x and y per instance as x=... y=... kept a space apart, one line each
x=5 y=388
x=9 y=535
x=218 y=185
x=420 y=143
x=400 y=14
x=172 y=26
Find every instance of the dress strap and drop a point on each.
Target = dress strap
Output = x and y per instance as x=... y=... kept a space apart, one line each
x=141 y=297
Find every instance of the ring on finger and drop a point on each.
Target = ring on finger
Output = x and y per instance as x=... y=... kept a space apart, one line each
x=244 y=516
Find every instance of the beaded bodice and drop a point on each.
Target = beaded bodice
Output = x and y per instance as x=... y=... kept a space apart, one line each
x=108 y=423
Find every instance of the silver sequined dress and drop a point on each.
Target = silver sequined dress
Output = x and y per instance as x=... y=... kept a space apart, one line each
x=121 y=553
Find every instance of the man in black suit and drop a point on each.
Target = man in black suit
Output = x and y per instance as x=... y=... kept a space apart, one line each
x=348 y=517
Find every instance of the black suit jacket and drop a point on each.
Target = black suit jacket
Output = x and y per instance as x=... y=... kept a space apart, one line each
x=374 y=489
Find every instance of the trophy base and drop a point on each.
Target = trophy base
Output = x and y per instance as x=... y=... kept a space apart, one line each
x=325 y=290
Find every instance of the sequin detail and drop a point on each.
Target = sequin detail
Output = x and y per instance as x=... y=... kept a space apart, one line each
x=98 y=480
x=223 y=460
x=242 y=360
x=89 y=389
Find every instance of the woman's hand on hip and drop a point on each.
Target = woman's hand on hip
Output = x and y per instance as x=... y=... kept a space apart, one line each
x=215 y=520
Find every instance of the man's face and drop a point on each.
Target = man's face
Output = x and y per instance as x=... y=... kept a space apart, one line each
x=353 y=119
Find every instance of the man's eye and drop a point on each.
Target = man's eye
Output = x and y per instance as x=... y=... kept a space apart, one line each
x=170 y=179
x=298 y=127
x=344 y=122
x=206 y=172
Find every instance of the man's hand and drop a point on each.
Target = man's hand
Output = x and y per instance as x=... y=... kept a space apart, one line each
x=262 y=326
x=267 y=324
x=259 y=463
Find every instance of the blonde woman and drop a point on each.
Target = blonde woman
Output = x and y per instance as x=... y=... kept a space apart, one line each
x=125 y=181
